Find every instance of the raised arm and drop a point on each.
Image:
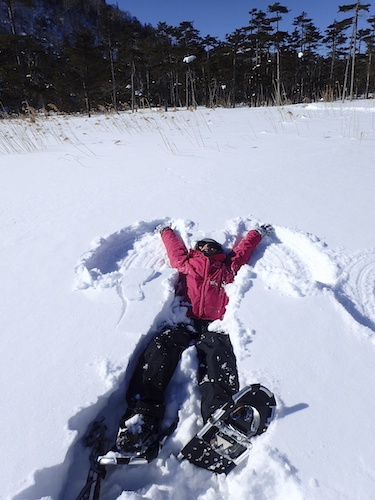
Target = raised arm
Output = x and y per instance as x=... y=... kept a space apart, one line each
x=176 y=249
x=241 y=253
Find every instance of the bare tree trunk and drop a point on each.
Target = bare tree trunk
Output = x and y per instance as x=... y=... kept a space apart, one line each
x=346 y=78
x=132 y=86
x=11 y=17
x=114 y=93
x=234 y=83
x=13 y=27
x=368 y=74
x=333 y=57
x=354 y=43
x=278 y=86
x=87 y=99
x=192 y=83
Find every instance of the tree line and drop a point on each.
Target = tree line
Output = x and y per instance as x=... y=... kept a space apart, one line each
x=83 y=55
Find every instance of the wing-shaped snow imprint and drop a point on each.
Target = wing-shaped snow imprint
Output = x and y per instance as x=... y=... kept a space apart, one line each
x=129 y=259
x=136 y=246
x=300 y=264
x=355 y=288
x=126 y=260
x=297 y=264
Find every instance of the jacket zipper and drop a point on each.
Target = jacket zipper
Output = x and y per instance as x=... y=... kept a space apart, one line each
x=205 y=281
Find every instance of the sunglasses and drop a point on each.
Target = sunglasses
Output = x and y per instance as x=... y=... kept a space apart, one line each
x=212 y=246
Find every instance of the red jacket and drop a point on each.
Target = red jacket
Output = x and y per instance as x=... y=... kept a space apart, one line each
x=203 y=278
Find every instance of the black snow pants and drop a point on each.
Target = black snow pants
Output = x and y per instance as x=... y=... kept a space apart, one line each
x=217 y=373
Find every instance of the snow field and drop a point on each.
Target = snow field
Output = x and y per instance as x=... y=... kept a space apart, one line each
x=301 y=315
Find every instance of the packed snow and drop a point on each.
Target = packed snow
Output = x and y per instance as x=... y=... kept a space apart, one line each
x=86 y=280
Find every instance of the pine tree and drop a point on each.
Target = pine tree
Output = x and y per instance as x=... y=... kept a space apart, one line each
x=85 y=68
x=356 y=7
x=278 y=38
x=370 y=43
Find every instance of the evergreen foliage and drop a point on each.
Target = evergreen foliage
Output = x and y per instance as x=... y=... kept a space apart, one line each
x=84 y=55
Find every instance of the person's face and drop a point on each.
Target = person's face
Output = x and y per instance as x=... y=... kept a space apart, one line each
x=208 y=248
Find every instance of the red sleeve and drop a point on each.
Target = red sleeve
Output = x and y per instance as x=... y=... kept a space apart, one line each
x=242 y=252
x=176 y=249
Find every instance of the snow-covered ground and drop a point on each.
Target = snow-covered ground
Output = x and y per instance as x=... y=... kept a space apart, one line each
x=84 y=280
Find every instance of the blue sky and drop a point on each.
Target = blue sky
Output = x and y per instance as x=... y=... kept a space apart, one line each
x=221 y=17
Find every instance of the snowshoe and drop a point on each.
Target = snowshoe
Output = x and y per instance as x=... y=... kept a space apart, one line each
x=225 y=440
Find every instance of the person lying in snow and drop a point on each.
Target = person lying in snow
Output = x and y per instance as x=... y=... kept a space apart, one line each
x=203 y=273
